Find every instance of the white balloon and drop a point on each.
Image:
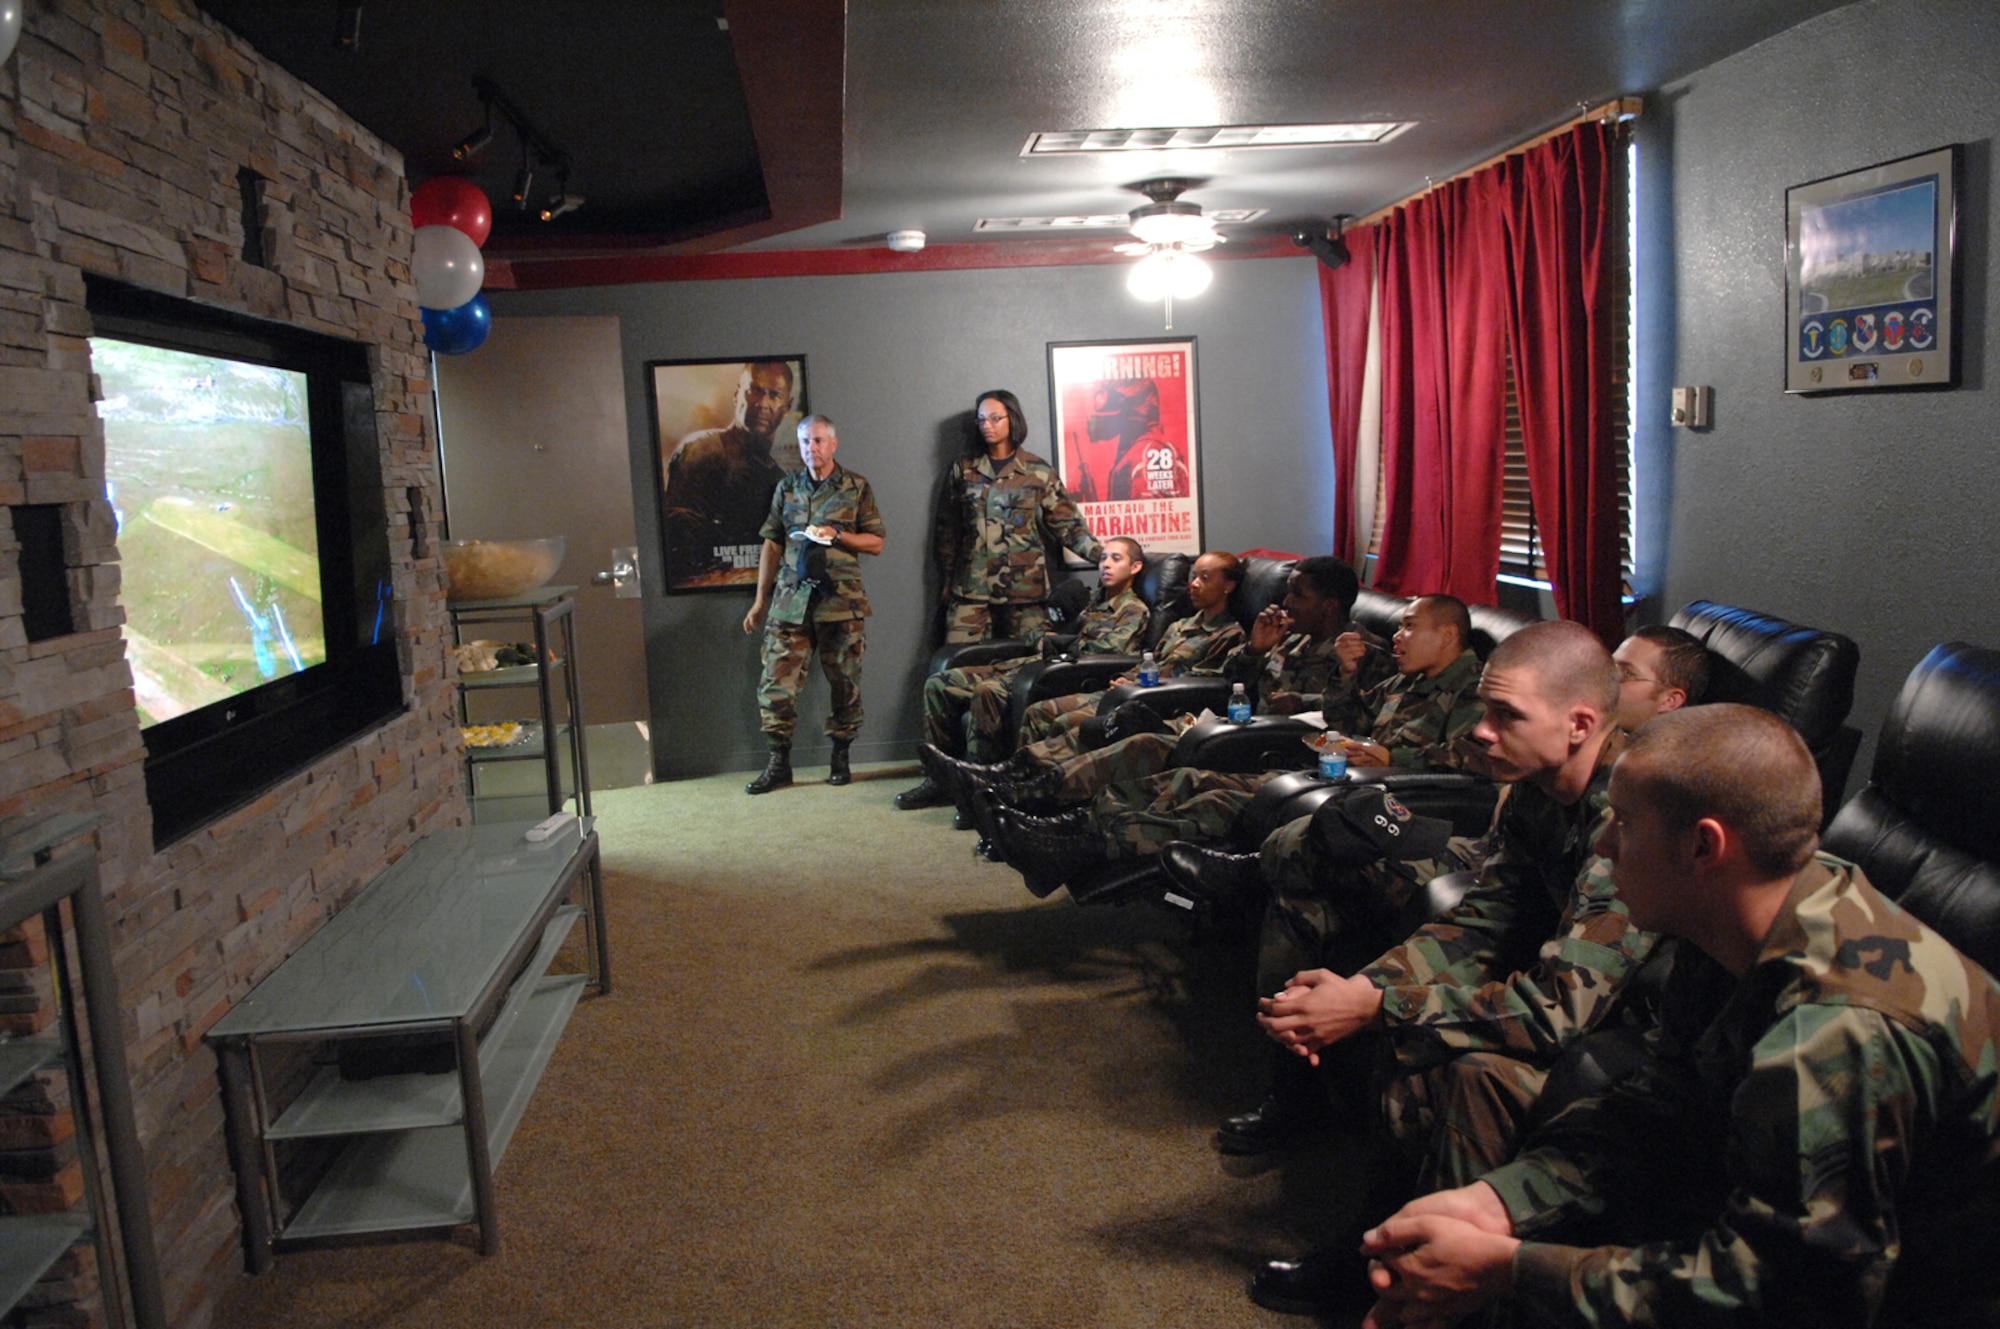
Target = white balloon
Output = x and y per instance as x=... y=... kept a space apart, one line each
x=10 y=27
x=447 y=266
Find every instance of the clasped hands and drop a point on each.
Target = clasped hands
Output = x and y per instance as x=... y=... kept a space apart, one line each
x=1318 y=1008
x=1440 y=1258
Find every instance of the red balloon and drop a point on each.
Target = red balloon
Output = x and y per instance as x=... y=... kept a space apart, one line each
x=453 y=200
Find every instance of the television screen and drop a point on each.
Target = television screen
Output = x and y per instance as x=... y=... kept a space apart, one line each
x=244 y=471
x=210 y=469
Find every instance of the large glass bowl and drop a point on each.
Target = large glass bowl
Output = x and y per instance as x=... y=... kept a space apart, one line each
x=491 y=569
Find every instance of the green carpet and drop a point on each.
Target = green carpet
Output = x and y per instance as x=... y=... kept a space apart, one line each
x=850 y=1075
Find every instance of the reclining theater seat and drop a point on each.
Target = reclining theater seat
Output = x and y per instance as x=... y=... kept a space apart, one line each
x=1802 y=675
x=1162 y=584
x=1926 y=827
x=1264 y=583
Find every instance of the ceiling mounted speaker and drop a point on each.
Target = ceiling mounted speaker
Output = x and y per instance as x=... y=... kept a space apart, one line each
x=1329 y=249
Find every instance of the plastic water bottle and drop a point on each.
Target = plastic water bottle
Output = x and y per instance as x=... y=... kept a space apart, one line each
x=1149 y=671
x=1333 y=759
x=1239 y=706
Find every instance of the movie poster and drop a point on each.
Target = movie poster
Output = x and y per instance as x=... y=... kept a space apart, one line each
x=726 y=431
x=1126 y=438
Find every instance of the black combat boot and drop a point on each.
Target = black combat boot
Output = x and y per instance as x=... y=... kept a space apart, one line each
x=929 y=794
x=837 y=770
x=1047 y=851
x=777 y=772
x=1296 y=1109
x=1213 y=876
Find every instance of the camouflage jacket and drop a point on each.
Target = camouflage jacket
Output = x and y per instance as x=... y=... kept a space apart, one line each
x=994 y=523
x=1836 y=1110
x=843 y=499
x=1114 y=626
x=1426 y=723
x=1301 y=665
x=1197 y=645
x=1534 y=953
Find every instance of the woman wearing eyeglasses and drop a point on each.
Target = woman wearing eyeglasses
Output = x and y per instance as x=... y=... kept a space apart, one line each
x=1002 y=508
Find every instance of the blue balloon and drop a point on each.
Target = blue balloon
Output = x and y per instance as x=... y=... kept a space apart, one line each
x=456 y=331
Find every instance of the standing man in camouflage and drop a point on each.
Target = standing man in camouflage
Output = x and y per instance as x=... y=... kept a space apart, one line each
x=821 y=519
x=1815 y=1144
x=1112 y=624
x=998 y=514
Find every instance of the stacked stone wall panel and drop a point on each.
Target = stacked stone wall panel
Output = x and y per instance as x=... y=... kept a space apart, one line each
x=124 y=125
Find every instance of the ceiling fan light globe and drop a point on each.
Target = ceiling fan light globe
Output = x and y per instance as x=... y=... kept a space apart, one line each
x=1188 y=276
x=1148 y=279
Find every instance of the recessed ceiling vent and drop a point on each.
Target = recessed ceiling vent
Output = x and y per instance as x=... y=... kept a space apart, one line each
x=1103 y=221
x=1055 y=142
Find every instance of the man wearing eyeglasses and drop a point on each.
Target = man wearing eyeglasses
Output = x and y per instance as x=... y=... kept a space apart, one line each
x=1660 y=669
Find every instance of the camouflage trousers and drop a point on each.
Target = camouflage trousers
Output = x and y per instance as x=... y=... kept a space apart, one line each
x=788 y=653
x=1462 y=1118
x=1052 y=716
x=982 y=691
x=1141 y=817
x=1127 y=761
x=1323 y=916
x=982 y=620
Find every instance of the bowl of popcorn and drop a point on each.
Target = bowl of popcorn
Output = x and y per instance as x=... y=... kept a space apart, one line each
x=494 y=569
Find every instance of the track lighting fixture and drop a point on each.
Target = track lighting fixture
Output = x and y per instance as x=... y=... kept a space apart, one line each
x=474 y=143
x=538 y=154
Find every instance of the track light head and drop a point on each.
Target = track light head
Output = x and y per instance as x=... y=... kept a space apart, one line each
x=558 y=204
x=524 y=183
x=472 y=144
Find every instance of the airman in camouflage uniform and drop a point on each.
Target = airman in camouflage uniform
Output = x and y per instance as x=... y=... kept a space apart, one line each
x=1424 y=720
x=819 y=605
x=1814 y=1140
x=1479 y=1001
x=996 y=518
x=1112 y=624
x=1288 y=671
x=1190 y=646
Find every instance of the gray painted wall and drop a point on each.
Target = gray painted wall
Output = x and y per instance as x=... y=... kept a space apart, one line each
x=1871 y=514
x=896 y=359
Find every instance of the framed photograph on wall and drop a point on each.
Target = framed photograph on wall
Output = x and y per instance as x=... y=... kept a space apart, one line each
x=1870 y=277
x=724 y=432
x=1125 y=436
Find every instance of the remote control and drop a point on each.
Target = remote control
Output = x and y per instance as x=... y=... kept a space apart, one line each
x=542 y=830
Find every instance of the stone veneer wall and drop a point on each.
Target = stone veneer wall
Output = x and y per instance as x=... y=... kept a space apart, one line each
x=123 y=127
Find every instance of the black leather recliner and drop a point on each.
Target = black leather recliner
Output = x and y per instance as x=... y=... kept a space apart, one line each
x=1263 y=585
x=1163 y=586
x=1926 y=827
x=1802 y=675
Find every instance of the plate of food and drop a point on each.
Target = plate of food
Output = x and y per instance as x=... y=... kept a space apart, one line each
x=503 y=735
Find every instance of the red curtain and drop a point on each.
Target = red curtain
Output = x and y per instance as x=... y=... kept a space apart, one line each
x=1443 y=269
x=1558 y=202
x=1343 y=297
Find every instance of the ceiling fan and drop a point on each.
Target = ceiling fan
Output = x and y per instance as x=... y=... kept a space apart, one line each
x=1167 y=233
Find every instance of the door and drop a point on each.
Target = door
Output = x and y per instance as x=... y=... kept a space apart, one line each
x=534 y=444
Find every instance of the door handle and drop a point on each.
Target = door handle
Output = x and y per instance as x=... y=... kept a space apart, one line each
x=623 y=574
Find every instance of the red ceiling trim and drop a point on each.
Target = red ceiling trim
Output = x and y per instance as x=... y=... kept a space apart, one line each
x=620 y=270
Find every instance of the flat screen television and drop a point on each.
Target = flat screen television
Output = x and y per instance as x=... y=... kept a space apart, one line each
x=245 y=478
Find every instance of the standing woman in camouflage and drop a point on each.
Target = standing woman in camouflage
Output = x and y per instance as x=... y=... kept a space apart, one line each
x=1000 y=511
